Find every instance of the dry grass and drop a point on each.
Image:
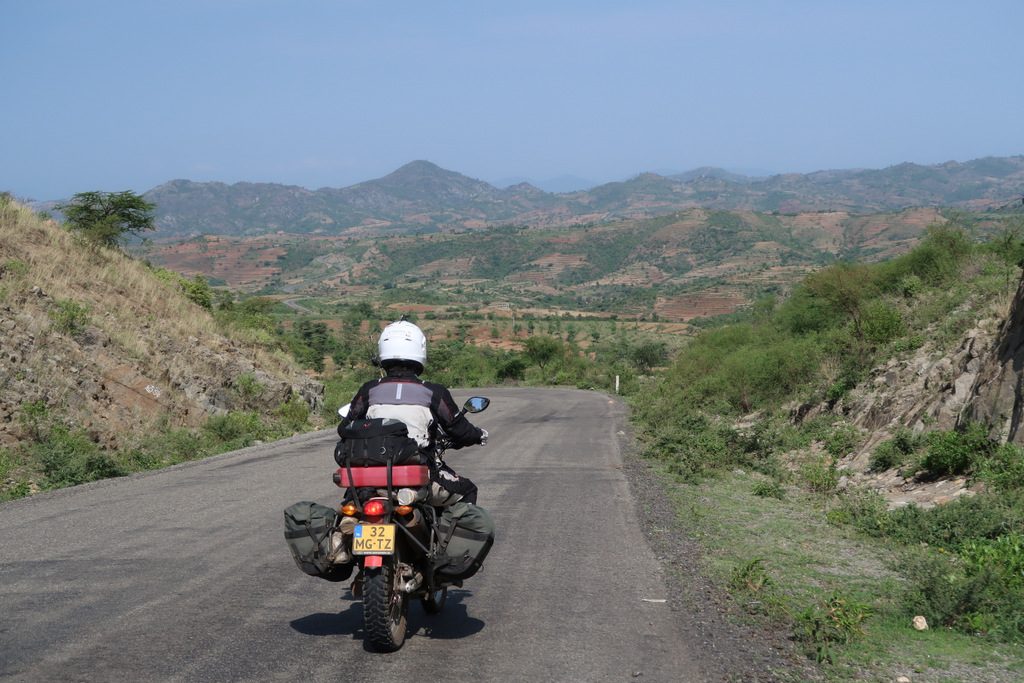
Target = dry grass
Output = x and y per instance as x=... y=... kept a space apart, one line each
x=66 y=267
x=138 y=309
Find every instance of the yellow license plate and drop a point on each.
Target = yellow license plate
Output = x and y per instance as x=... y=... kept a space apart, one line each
x=373 y=539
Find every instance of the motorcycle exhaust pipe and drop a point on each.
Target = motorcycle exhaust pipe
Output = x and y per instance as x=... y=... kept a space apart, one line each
x=413 y=583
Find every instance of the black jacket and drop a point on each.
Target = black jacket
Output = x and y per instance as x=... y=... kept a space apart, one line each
x=415 y=391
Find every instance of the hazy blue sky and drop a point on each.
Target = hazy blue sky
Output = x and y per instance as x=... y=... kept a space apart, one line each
x=127 y=94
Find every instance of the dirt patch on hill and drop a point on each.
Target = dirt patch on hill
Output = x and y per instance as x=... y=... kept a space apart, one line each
x=700 y=305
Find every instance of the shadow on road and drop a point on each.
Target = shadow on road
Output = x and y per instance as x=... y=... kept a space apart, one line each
x=452 y=623
x=349 y=622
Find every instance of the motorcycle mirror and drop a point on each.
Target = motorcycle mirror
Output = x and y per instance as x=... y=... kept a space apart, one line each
x=476 y=404
x=343 y=411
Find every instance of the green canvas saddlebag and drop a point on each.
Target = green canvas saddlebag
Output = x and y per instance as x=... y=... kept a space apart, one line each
x=307 y=531
x=467 y=534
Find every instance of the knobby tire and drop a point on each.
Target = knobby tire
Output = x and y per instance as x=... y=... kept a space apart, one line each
x=384 y=609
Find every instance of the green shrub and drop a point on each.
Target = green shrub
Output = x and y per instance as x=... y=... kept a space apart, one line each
x=935 y=260
x=841 y=440
x=769 y=489
x=69 y=317
x=6 y=463
x=956 y=452
x=18 y=489
x=166 y=447
x=894 y=452
x=949 y=526
x=864 y=509
x=15 y=267
x=35 y=419
x=911 y=343
x=1004 y=556
x=835 y=620
x=749 y=577
x=294 y=414
x=235 y=429
x=691 y=446
x=249 y=390
x=1004 y=469
x=512 y=368
x=910 y=286
x=70 y=457
x=969 y=597
x=198 y=291
x=885 y=457
x=881 y=322
x=820 y=475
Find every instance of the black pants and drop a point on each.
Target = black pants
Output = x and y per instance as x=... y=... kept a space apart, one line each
x=452 y=482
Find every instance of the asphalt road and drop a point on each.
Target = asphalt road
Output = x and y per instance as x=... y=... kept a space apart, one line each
x=183 y=574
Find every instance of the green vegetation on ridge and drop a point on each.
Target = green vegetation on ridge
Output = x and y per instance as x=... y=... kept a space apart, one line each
x=722 y=414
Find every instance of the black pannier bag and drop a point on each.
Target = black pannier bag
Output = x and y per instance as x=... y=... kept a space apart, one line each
x=307 y=531
x=371 y=443
x=467 y=534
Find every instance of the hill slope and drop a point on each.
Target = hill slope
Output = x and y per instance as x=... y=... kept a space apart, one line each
x=94 y=341
x=733 y=255
x=420 y=196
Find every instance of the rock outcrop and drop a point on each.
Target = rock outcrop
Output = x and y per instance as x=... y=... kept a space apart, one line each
x=934 y=389
x=997 y=393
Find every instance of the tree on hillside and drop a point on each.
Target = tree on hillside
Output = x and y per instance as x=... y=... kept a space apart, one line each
x=108 y=218
x=542 y=350
x=844 y=287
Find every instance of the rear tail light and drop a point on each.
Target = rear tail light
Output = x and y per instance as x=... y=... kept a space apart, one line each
x=375 y=508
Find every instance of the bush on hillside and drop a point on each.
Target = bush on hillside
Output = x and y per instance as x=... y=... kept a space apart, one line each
x=895 y=451
x=971 y=597
x=956 y=452
x=69 y=457
x=70 y=317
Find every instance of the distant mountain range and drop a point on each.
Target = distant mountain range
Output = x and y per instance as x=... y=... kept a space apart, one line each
x=422 y=197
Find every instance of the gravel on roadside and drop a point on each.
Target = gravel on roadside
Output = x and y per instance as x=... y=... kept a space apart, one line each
x=740 y=651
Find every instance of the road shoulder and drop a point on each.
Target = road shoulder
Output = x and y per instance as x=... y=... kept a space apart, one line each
x=739 y=651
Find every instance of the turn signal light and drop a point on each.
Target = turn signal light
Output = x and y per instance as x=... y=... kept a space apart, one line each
x=348 y=509
x=404 y=510
x=374 y=508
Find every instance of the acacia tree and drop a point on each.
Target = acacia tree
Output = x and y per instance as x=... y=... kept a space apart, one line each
x=542 y=350
x=108 y=218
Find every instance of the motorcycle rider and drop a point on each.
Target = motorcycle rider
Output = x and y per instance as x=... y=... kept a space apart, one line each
x=422 y=406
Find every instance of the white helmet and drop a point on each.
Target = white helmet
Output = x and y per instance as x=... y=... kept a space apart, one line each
x=403 y=341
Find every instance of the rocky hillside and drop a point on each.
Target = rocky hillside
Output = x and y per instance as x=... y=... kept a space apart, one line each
x=94 y=340
x=420 y=196
x=939 y=386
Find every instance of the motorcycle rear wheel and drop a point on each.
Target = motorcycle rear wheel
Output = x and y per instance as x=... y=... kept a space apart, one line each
x=385 y=607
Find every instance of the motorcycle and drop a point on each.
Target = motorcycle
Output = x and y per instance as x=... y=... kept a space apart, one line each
x=396 y=541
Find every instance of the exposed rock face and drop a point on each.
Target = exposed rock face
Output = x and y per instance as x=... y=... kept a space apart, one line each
x=996 y=394
x=933 y=390
x=923 y=390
